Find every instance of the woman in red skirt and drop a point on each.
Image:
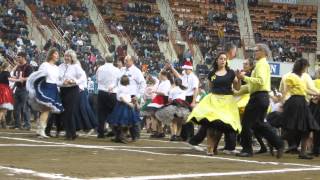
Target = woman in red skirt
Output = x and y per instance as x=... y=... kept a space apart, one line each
x=6 y=99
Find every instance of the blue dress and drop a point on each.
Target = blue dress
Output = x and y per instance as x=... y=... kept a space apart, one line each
x=43 y=95
x=123 y=115
x=85 y=117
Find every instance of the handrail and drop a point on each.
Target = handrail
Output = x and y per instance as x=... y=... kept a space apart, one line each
x=101 y=20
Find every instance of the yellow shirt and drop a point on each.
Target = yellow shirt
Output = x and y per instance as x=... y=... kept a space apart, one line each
x=260 y=79
x=292 y=84
x=317 y=83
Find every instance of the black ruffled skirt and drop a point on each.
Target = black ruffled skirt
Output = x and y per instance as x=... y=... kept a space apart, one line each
x=297 y=115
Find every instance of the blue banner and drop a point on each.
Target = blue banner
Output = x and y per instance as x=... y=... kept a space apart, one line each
x=275 y=69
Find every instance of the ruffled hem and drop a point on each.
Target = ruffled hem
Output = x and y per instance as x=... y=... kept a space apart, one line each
x=7 y=106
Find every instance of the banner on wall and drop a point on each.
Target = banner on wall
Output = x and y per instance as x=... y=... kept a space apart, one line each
x=284 y=1
x=278 y=69
x=275 y=69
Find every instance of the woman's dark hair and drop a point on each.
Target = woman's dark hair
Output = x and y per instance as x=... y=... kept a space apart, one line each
x=124 y=80
x=168 y=75
x=50 y=53
x=215 y=62
x=178 y=82
x=299 y=66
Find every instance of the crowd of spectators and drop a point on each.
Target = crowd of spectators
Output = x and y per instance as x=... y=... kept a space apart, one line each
x=284 y=20
x=75 y=25
x=286 y=49
x=143 y=25
x=216 y=28
x=14 y=32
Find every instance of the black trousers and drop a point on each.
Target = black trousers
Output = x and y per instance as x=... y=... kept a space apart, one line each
x=316 y=142
x=70 y=97
x=253 y=120
x=106 y=103
x=187 y=130
x=202 y=134
x=54 y=119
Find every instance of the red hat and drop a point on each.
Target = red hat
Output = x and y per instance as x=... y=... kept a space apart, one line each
x=157 y=102
x=187 y=65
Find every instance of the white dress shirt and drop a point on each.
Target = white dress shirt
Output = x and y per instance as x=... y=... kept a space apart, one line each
x=52 y=72
x=71 y=72
x=108 y=77
x=137 y=82
x=191 y=82
x=177 y=93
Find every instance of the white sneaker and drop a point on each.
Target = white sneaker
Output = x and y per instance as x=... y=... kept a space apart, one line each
x=195 y=147
x=42 y=134
x=230 y=152
x=89 y=133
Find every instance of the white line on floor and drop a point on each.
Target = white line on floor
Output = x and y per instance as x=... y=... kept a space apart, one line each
x=214 y=174
x=66 y=145
x=164 y=154
x=37 y=174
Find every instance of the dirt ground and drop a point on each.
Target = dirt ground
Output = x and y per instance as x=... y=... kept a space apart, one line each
x=92 y=158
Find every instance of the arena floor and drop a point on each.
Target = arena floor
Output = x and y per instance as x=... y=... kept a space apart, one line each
x=24 y=156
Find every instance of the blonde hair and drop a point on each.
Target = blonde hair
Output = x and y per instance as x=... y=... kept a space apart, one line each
x=73 y=56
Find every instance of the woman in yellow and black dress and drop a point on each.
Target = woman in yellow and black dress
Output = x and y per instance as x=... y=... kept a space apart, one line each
x=297 y=117
x=218 y=111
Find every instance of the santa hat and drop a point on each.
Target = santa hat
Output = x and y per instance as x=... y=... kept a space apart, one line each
x=157 y=102
x=187 y=65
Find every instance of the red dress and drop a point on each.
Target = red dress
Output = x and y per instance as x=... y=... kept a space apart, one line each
x=6 y=98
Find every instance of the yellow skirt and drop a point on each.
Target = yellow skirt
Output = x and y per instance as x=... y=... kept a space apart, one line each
x=242 y=102
x=217 y=107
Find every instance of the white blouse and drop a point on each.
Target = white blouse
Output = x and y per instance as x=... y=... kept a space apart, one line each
x=164 y=87
x=124 y=92
x=52 y=72
x=177 y=93
x=72 y=72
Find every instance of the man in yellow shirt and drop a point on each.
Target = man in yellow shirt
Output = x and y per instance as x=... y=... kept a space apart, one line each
x=258 y=85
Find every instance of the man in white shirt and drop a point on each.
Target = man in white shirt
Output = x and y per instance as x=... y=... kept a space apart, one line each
x=107 y=78
x=137 y=86
x=137 y=82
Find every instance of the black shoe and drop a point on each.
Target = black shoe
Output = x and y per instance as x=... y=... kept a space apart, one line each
x=292 y=151
x=15 y=128
x=26 y=128
x=173 y=138
x=279 y=153
x=119 y=140
x=157 y=135
x=100 y=136
x=48 y=134
x=110 y=134
x=244 y=154
x=69 y=139
x=261 y=151
x=304 y=156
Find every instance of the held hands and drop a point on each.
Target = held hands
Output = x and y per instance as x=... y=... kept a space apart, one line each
x=193 y=104
x=131 y=105
x=69 y=82
x=240 y=75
